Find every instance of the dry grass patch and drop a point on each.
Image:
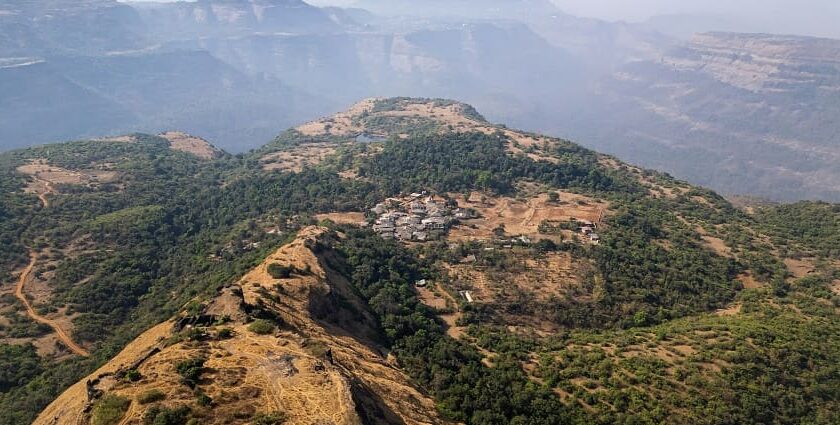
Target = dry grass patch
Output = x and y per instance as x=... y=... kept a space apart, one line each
x=118 y=139
x=197 y=146
x=438 y=299
x=343 y=218
x=801 y=267
x=524 y=216
x=297 y=158
x=340 y=124
x=536 y=282
x=45 y=177
x=749 y=280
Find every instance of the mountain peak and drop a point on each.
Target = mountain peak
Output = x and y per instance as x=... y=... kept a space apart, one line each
x=382 y=116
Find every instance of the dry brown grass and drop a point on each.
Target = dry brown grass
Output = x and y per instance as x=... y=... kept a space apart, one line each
x=297 y=158
x=800 y=267
x=197 y=146
x=340 y=124
x=118 y=139
x=749 y=280
x=536 y=282
x=315 y=369
x=437 y=298
x=343 y=218
x=45 y=177
x=448 y=117
x=718 y=246
x=523 y=216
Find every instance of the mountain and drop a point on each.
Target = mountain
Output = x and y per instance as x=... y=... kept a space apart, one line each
x=29 y=89
x=83 y=96
x=492 y=9
x=46 y=27
x=545 y=283
x=213 y=18
x=741 y=113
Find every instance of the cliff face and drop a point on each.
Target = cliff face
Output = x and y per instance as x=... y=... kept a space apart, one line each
x=234 y=17
x=741 y=113
x=89 y=27
x=318 y=364
x=762 y=63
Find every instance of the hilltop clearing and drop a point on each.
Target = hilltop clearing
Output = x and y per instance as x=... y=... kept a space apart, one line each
x=197 y=146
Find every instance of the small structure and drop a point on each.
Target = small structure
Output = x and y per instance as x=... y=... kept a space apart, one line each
x=387 y=235
x=417 y=208
x=421 y=283
x=467 y=296
x=434 y=223
x=403 y=233
x=464 y=214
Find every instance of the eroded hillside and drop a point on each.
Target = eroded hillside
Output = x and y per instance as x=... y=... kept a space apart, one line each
x=741 y=113
x=299 y=345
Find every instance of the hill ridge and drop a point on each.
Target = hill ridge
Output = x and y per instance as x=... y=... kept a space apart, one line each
x=298 y=367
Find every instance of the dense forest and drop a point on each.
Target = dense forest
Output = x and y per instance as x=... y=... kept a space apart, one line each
x=171 y=228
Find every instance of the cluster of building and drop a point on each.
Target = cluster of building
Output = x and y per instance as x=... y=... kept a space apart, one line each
x=588 y=229
x=418 y=218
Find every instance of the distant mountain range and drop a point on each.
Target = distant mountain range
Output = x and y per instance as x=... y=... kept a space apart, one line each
x=740 y=113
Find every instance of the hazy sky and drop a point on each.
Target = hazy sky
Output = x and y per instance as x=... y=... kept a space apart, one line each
x=807 y=17
x=636 y=10
x=642 y=9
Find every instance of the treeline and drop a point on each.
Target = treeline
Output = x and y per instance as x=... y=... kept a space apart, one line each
x=458 y=162
x=804 y=228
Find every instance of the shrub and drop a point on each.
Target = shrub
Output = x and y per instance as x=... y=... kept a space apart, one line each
x=132 y=375
x=166 y=416
x=225 y=333
x=202 y=398
x=150 y=396
x=261 y=327
x=279 y=271
x=190 y=370
x=109 y=410
x=273 y=418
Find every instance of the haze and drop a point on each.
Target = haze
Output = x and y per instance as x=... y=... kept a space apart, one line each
x=802 y=17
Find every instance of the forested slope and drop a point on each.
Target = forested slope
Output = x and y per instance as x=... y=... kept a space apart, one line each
x=687 y=310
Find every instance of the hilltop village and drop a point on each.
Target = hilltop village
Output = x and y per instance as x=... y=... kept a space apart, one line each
x=422 y=217
x=418 y=217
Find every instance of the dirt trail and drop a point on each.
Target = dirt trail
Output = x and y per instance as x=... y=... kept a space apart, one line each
x=20 y=292
x=21 y=295
x=43 y=195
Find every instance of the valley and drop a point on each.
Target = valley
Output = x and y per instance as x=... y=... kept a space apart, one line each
x=741 y=113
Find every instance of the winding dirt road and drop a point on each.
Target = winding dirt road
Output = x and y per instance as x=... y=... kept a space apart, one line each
x=20 y=293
